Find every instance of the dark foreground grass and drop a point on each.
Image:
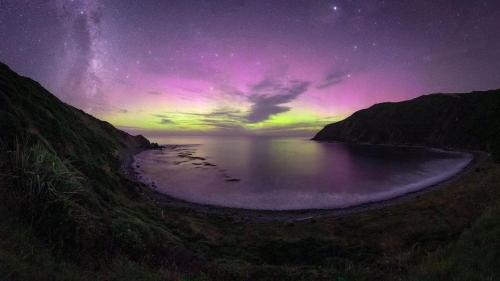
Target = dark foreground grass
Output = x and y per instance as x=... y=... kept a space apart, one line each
x=57 y=227
x=474 y=256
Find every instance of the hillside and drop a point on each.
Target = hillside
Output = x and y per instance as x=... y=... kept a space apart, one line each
x=60 y=176
x=27 y=109
x=465 y=121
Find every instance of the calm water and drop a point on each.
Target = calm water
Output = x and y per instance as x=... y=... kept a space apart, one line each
x=290 y=173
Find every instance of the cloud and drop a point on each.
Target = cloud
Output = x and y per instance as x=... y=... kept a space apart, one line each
x=331 y=79
x=267 y=84
x=229 y=91
x=269 y=97
x=166 y=121
x=225 y=112
x=224 y=118
x=222 y=124
x=222 y=112
x=161 y=116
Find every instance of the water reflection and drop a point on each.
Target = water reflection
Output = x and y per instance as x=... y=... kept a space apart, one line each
x=290 y=173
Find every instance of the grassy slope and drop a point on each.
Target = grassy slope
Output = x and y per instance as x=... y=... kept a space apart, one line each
x=470 y=121
x=61 y=177
x=443 y=235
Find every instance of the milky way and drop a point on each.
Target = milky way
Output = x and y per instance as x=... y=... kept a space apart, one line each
x=248 y=67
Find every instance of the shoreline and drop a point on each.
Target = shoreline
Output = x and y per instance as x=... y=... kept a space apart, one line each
x=252 y=215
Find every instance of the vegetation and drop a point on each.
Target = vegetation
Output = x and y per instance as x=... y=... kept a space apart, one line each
x=463 y=121
x=70 y=214
x=48 y=193
x=62 y=179
x=475 y=256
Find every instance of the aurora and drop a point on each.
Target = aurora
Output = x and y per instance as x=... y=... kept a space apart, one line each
x=224 y=67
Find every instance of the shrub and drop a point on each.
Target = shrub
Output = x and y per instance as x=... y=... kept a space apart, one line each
x=40 y=177
x=50 y=194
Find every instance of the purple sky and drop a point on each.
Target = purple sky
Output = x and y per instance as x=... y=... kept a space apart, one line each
x=248 y=67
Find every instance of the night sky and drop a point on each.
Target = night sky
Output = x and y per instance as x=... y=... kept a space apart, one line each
x=248 y=67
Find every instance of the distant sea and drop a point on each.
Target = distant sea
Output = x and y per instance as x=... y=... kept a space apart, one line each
x=286 y=173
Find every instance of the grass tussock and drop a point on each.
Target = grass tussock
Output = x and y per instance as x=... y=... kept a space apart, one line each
x=49 y=194
x=83 y=221
x=41 y=177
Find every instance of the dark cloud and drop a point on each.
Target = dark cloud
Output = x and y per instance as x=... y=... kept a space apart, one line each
x=221 y=124
x=267 y=84
x=331 y=79
x=229 y=91
x=222 y=112
x=225 y=112
x=225 y=118
x=166 y=121
x=160 y=115
x=270 y=97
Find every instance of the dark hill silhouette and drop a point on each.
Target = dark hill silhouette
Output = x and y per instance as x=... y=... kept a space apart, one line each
x=26 y=108
x=461 y=121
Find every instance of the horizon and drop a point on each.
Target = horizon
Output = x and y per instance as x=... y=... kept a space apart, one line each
x=248 y=68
